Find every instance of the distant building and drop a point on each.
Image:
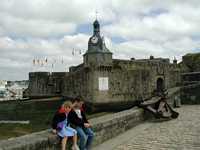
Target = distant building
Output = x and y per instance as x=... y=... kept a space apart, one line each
x=3 y=83
x=22 y=83
x=2 y=92
x=12 y=90
x=2 y=88
x=104 y=81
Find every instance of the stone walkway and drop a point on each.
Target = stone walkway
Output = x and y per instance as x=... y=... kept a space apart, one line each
x=179 y=134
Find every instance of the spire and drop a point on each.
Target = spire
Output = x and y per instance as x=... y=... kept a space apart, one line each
x=96 y=14
x=175 y=60
x=96 y=27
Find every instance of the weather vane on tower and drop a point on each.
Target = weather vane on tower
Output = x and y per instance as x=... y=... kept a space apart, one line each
x=96 y=12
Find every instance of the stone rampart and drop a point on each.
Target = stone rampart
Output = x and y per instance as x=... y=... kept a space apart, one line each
x=190 y=94
x=105 y=127
x=191 y=86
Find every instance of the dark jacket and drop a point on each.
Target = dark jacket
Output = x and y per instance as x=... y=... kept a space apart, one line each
x=75 y=120
x=58 y=117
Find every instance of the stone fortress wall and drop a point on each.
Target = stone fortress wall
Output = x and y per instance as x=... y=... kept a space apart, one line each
x=127 y=81
x=45 y=84
x=101 y=80
x=191 y=62
x=190 y=79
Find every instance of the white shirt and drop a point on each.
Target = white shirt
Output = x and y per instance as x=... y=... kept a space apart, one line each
x=78 y=112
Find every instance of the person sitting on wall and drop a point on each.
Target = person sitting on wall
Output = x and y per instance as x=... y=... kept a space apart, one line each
x=82 y=103
x=78 y=119
x=61 y=126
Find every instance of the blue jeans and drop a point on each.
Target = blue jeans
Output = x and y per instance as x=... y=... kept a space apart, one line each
x=86 y=137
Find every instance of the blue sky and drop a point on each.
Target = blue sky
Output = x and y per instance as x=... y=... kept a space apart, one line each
x=36 y=30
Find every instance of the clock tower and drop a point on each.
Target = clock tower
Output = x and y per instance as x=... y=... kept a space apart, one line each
x=97 y=53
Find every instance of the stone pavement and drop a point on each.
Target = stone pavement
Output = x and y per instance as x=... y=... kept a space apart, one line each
x=179 y=134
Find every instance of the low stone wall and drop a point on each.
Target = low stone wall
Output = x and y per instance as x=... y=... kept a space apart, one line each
x=42 y=109
x=105 y=127
x=190 y=94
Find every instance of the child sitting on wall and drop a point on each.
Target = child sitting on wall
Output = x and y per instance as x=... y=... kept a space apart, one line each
x=78 y=119
x=61 y=126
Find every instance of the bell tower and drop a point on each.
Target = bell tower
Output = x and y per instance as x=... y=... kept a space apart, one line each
x=97 y=54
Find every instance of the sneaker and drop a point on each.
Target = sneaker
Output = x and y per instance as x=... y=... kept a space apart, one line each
x=75 y=147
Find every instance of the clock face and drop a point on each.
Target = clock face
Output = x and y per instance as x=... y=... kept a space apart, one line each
x=94 y=39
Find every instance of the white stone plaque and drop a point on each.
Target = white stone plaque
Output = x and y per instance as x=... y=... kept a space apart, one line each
x=103 y=83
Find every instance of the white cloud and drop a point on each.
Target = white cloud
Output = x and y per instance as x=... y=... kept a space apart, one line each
x=20 y=27
x=143 y=49
x=19 y=54
x=45 y=28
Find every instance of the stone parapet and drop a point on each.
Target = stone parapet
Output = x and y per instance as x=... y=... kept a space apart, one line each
x=190 y=94
x=105 y=127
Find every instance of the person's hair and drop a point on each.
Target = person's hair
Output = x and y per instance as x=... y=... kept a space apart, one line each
x=79 y=98
x=67 y=104
x=73 y=100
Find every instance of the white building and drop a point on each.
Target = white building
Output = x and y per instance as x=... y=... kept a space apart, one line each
x=12 y=90
x=16 y=91
x=2 y=92
x=3 y=88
